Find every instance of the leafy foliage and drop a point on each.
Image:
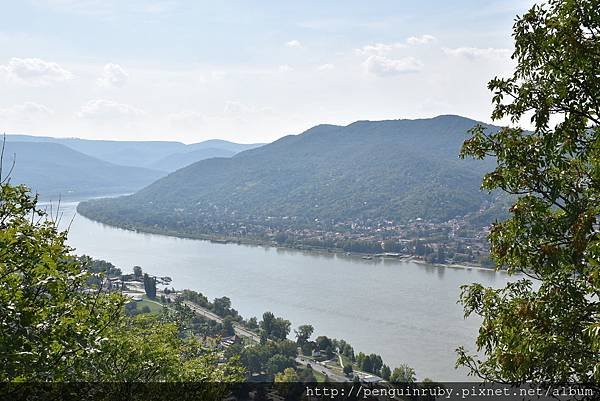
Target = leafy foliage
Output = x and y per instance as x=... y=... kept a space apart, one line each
x=49 y=323
x=545 y=327
x=275 y=328
x=403 y=374
x=150 y=286
x=58 y=325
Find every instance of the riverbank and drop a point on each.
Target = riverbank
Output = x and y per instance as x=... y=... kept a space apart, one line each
x=378 y=305
x=253 y=241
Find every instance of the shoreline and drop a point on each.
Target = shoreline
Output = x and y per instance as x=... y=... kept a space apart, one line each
x=257 y=242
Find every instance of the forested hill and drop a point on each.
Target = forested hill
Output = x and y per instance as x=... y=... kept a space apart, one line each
x=398 y=170
x=52 y=169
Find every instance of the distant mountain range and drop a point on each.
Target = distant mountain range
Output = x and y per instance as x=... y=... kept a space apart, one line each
x=74 y=167
x=398 y=170
x=178 y=160
x=147 y=154
x=53 y=170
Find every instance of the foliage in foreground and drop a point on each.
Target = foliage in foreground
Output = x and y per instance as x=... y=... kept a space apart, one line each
x=57 y=324
x=545 y=328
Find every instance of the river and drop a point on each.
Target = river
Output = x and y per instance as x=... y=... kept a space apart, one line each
x=404 y=311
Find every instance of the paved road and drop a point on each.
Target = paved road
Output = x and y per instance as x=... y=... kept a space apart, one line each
x=243 y=332
x=334 y=377
x=239 y=329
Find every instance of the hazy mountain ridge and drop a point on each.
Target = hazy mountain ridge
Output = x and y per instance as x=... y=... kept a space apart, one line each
x=147 y=154
x=397 y=169
x=52 y=169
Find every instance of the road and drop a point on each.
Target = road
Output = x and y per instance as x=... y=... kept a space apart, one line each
x=243 y=332
x=334 y=377
x=239 y=329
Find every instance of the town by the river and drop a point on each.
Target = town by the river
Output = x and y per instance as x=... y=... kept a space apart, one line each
x=405 y=311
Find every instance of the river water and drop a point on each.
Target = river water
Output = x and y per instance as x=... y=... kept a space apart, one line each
x=404 y=311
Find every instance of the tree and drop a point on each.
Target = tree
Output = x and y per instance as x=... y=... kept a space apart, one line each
x=146 y=349
x=287 y=376
x=348 y=369
x=307 y=348
x=323 y=343
x=41 y=291
x=303 y=333
x=376 y=363
x=288 y=348
x=228 y=329
x=275 y=328
x=385 y=372
x=366 y=364
x=221 y=306
x=137 y=272
x=56 y=326
x=288 y=384
x=403 y=374
x=278 y=363
x=150 y=286
x=306 y=375
x=548 y=331
x=252 y=359
x=267 y=322
x=252 y=324
x=344 y=348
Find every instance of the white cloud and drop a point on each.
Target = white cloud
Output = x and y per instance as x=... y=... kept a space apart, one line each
x=239 y=111
x=421 y=40
x=186 y=118
x=235 y=108
x=294 y=44
x=326 y=67
x=34 y=71
x=27 y=111
x=473 y=53
x=382 y=49
x=113 y=75
x=106 y=110
x=383 y=66
x=379 y=48
x=285 y=68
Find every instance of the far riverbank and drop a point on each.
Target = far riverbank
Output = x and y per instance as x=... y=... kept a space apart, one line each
x=253 y=241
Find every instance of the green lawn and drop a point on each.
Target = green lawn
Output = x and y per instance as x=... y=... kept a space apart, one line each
x=155 y=308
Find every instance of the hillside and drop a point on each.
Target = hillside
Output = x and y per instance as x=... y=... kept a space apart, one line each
x=53 y=169
x=147 y=154
x=179 y=160
x=397 y=170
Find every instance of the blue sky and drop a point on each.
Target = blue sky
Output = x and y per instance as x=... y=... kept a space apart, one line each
x=244 y=70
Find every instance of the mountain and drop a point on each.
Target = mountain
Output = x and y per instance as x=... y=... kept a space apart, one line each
x=52 y=169
x=140 y=153
x=225 y=145
x=178 y=160
x=398 y=170
x=200 y=151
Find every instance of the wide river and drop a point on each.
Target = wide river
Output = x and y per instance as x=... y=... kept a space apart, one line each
x=404 y=311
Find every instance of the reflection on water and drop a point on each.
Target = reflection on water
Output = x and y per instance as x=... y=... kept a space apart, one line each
x=406 y=312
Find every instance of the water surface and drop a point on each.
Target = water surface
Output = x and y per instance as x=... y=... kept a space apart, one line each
x=405 y=311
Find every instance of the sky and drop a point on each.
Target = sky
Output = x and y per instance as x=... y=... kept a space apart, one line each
x=244 y=70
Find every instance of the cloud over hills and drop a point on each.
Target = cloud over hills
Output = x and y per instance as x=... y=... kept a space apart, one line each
x=34 y=71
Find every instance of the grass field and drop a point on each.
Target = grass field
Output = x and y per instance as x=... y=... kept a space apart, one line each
x=155 y=308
